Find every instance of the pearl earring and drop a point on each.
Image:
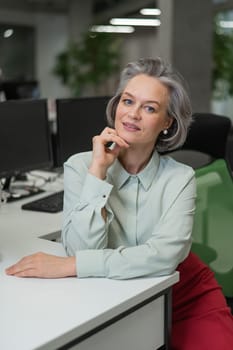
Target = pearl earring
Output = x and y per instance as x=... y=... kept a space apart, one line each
x=165 y=131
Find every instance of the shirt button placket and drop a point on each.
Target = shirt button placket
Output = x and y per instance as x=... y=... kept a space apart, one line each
x=135 y=183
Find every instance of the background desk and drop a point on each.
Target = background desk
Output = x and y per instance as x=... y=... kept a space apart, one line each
x=71 y=313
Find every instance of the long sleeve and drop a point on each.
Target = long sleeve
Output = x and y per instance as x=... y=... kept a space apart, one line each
x=150 y=231
x=85 y=196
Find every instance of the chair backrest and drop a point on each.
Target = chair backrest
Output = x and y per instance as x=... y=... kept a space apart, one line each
x=213 y=222
x=207 y=140
x=206 y=151
x=209 y=134
x=229 y=151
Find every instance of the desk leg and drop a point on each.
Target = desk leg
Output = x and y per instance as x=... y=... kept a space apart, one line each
x=168 y=318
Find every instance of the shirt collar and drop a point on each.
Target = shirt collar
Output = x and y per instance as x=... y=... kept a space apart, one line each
x=118 y=176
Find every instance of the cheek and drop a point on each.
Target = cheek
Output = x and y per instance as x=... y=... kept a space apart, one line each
x=155 y=127
x=119 y=110
x=119 y=114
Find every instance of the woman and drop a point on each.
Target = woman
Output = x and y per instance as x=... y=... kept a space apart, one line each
x=109 y=193
x=128 y=211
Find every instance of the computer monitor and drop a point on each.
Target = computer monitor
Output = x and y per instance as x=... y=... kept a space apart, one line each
x=78 y=120
x=15 y=90
x=25 y=142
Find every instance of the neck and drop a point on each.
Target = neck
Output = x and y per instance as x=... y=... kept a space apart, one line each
x=135 y=160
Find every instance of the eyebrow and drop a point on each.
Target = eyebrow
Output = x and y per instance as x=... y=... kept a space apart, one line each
x=147 y=101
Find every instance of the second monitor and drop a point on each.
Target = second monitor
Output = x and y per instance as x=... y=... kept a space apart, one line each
x=78 y=120
x=25 y=142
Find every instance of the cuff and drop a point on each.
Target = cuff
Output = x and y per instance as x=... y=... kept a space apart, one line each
x=90 y=263
x=95 y=189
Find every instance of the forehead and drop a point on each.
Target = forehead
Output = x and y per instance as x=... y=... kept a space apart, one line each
x=146 y=87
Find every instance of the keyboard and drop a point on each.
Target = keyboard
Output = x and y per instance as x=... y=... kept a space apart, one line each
x=52 y=203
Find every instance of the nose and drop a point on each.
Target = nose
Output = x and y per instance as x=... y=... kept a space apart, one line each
x=134 y=112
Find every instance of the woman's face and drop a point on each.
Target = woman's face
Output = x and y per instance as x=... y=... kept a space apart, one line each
x=141 y=113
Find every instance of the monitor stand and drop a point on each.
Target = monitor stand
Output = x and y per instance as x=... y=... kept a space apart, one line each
x=17 y=192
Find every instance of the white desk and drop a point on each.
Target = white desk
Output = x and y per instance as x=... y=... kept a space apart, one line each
x=73 y=313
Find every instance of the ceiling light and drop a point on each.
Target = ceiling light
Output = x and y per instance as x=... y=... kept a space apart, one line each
x=136 y=22
x=226 y=24
x=7 y=33
x=112 y=29
x=150 y=12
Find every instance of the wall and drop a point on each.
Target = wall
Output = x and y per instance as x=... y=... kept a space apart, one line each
x=140 y=44
x=17 y=52
x=51 y=37
x=184 y=39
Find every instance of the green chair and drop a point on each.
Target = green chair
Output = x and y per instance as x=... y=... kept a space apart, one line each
x=206 y=151
x=213 y=222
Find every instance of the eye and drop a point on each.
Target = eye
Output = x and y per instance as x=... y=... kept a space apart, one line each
x=149 y=109
x=127 y=101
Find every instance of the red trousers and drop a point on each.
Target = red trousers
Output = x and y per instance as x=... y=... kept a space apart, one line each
x=201 y=318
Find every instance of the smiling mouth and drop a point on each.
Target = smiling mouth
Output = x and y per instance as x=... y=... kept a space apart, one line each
x=130 y=126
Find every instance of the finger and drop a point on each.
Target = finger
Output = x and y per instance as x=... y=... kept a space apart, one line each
x=112 y=136
x=106 y=137
x=119 y=141
x=27 y=273
x=108 y=130
x=109 y=136
x=12 y=270
x=18 y=267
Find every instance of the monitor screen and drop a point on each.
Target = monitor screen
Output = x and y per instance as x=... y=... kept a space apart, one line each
x=25 y=142
x=15 y=90
x=78 y=120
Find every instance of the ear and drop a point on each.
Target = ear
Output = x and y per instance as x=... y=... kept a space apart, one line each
x=169 y=121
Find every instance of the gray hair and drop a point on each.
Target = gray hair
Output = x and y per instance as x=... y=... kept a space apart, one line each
x=179 y=106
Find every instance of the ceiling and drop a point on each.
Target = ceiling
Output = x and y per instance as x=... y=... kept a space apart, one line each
x=99 y=6
x=102 y=9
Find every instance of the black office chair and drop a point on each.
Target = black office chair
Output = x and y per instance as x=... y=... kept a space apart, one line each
x=208 y=139
x=208 y=133
x=206 y=150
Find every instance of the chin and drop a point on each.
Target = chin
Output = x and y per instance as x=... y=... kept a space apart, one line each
x=126 y=138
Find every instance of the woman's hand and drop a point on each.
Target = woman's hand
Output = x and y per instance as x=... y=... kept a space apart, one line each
x=44 y=266
x=104 y=156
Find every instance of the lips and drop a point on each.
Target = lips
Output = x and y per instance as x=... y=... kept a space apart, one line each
x=130 y=126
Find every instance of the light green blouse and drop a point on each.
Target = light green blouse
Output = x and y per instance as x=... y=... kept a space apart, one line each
x=149 y=217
